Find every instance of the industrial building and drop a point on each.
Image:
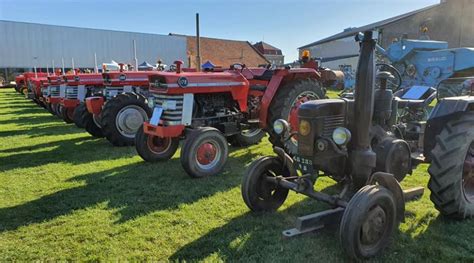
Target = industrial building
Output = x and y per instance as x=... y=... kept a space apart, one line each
x=29 y=45
x=450 y=20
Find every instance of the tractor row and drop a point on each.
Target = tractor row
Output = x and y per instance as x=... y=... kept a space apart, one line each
x=155 y=110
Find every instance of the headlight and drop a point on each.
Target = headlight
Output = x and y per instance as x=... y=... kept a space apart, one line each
x=341 y=136
x=304 y=128
x=151 y=102
x=280 y=126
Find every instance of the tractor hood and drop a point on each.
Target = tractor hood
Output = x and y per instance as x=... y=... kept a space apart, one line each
x=84 y=79
x=126 y=78
x=196 y=82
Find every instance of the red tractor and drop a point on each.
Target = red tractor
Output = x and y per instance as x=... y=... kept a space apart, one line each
x=52 y=93
x=33 y=82
x=20 y=86
x=78 y=87
x=210 y=109
x=123 y=108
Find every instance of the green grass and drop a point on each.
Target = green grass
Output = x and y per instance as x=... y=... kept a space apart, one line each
x=67 y=196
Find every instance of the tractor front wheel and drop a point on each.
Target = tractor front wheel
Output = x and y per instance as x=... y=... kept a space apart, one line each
x=452 y=169
x=153 y=148
x=48 y=107
x=368 y=222
x=285 y=106
x=204 y=152
x=67 y=114
x=258 y=193
x=91 y=123
x=122 y=116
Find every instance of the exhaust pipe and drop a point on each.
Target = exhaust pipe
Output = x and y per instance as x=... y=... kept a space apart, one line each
x=363 y=158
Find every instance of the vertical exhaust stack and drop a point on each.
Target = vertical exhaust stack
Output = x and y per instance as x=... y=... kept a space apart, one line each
x=198 y=45
x=363 y=158
x=95 y=63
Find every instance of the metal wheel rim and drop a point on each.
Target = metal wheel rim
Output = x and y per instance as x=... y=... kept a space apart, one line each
x=250 y=132
x=126 y=122
x=373 y=228
x=153 y=147
x=96 y=120
x=216 y=159
x=468 y=175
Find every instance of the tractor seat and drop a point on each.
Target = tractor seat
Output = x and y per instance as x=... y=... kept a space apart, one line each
x=415 y=97
x=267 y=75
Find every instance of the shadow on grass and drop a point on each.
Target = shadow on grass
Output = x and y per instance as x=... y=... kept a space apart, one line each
x=136 y=189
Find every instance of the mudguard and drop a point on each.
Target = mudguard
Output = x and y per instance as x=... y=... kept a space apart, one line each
x=447 y=109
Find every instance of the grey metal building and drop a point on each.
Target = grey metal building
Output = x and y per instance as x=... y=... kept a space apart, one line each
x=26 y=45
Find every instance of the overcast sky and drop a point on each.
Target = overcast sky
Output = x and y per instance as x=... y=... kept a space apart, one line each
x=284 y=24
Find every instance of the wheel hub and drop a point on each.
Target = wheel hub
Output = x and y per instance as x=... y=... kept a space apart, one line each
x=157 y=144
x=129 y=119
x=374 y=226
x=206 y=153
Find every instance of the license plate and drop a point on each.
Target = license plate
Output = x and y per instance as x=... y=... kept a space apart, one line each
x=155 y=118
x=304 y=164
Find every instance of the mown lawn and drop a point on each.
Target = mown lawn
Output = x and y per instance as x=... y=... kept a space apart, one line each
x=67 y=196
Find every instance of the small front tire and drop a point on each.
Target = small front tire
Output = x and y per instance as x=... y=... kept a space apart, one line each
x=153 y=148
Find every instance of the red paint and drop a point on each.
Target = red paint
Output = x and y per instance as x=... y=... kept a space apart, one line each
x=163 y=131
x=94 y=104
x=206 y=153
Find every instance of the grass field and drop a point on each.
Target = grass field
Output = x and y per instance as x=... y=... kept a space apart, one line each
x=67 y=196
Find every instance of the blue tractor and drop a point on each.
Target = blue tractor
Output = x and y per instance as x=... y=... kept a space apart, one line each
x=432 y=64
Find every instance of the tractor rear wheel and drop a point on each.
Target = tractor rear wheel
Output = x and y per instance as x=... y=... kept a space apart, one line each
x=122 y=116
x=77 y=115
x=204 y=152
x=153 y=148
x=55 y=109
x=91 y=124
x=48 y=107
x=285 y=106
x=67 y=114
x=452 y=169
x=259 y=194
x=368 y=222
x=247 y=137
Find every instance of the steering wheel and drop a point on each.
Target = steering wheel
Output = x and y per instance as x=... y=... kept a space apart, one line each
x=394 y=83
x=237 y=66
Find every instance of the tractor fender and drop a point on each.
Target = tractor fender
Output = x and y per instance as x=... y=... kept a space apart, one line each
x=94 y=104
x=280 y=78
x=287 y=161
x=388 y=181
x=447 y=109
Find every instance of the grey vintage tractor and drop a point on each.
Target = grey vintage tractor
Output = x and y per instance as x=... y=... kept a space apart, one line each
x=352 y=142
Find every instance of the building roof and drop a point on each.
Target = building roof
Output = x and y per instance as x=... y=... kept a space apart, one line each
x=265 y=46
x=354 y=30
x=224 y=52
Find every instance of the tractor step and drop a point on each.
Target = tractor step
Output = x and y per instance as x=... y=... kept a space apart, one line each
x=413 y=194
x=316 y=221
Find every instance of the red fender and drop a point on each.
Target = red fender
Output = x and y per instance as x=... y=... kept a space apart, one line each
x=94 y=104
x=276 y=82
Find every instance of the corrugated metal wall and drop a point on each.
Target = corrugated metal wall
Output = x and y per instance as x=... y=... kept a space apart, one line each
x=21 y=42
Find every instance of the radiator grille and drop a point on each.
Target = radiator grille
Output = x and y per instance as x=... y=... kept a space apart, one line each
x=54 y=91
x=170 y=116
x=331 y=123
x=71 y=92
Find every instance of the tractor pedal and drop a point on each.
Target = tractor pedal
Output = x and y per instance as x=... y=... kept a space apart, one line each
x=413 y=194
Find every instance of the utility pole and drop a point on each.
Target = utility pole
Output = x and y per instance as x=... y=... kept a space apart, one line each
x=198 y=45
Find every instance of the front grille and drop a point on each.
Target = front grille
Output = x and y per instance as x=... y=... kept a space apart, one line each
x=45 y=92
x=54 y=91
x=71 y=92
x=331 y=123
x=172 y=108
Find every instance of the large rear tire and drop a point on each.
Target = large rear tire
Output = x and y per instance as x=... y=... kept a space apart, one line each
x=285 y=104
x=452 y=169
x=247 y=137
x=153 y=148
x=67 y=114
x=77 y=115
x=122 y=116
